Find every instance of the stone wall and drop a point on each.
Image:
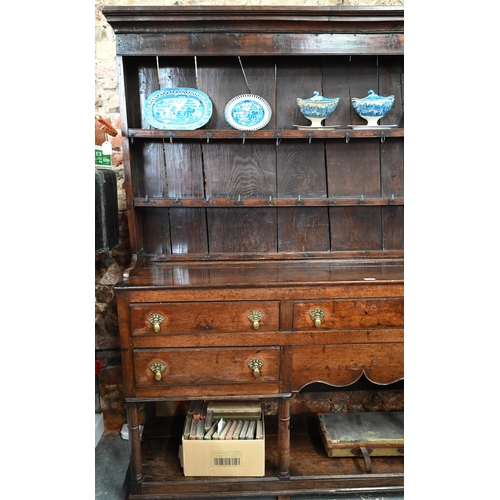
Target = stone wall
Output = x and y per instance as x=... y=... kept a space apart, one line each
x=110 y=265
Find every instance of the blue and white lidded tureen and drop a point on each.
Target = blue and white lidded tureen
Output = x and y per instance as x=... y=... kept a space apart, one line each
x=317 y=108
x=372 y=107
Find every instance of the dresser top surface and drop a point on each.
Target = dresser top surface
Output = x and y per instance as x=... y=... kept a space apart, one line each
x=263 y=274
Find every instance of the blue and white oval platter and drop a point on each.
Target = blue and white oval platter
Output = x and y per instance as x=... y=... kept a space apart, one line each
x=178 y=108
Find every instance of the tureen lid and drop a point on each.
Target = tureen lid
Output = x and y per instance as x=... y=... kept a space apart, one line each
x=372 y=96
x=317 y=97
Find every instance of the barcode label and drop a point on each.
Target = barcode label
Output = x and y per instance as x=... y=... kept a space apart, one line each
x=217 y=462
x=226 y=459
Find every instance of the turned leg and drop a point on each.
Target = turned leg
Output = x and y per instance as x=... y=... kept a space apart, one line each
x=134 y=442
x=284 y=438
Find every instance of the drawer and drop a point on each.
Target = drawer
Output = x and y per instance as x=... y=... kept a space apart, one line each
x=206 y=366
x=348 y=313
x=341 y=365
x=204 y=317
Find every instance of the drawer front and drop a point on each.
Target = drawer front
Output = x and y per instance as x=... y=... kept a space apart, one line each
x=341 y=365
x=348 y=313
x=204 y=317
x=206 y=366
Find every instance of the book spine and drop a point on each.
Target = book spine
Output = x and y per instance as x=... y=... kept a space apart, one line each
x=244 y=429
x=237 y=431
x=187 y=427
x=192 y=406
x=251 y=430
x=197 y=410
x=259 y=430
x=232 y=429
x=192 y=431
x=209 y=420
x=225 y=430
x=200 y=429
x=203 y=411
x=211 y=431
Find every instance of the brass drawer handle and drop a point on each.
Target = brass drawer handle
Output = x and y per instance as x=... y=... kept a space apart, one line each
x=255 y=365
x=156 y=320
x=317 y=315
x=255 y=316
x=157 y=368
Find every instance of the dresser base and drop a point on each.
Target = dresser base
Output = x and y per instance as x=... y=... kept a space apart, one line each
x=311 y=470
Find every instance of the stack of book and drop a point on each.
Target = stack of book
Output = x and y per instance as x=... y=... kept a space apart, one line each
x=224 y=420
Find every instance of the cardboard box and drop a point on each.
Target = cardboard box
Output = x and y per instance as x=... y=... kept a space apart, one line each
x=226 y=457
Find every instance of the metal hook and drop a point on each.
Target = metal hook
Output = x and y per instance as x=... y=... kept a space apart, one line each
x=382 y=137
x=347 y=137
x=243 y=136
x=208 y=198
x=208 y=138
x=177 y=199
x=146 y=199
x=310 y=137
x=171 y=141
x=270 y=199
x=392 y=198
x=361 y=200
x=278 y=140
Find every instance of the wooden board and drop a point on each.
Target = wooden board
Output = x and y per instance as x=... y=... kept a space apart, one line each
x=381 y=432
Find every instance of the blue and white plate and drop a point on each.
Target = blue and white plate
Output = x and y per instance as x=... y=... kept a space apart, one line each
x=247 y=112
x=179 y=108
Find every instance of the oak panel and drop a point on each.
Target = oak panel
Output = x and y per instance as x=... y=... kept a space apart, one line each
x=345 y=314
x=204 y=317
x=342 y=365
x=220 y=366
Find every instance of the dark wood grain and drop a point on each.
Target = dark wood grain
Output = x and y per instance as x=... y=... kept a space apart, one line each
x=391 y=77
x=204 y=317
x=310 y=467
x=355 y=228
x=303 y=229
x=213 y=366
x=240 y=202
x=343 y=365
x=300 y=169
x=254 y=45
x=153 y=156
x=242 y=230
x=336 y=83
x=392 y=168
x=342 y=278
x=306 y=135
x=393 y=228
x=280 y=220
x=371 y=313
x=189 y=233
x=354 y=168
x=133 y=180
x=156 y=231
